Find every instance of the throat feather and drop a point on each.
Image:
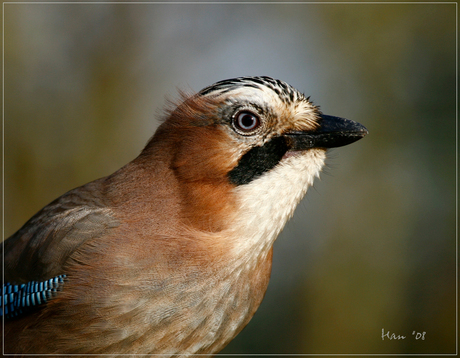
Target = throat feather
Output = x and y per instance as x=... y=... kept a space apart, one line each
x=268 y=202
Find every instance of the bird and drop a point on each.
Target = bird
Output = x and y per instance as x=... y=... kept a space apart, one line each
x=172 y=253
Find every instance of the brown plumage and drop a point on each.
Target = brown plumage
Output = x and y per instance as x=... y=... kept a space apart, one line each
x=172 y=253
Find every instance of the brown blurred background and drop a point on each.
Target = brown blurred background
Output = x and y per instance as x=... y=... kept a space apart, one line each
x=372 y=246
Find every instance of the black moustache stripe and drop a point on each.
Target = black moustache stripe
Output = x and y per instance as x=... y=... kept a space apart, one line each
x=258 y=160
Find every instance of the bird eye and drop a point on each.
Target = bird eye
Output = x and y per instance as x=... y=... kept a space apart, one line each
x=246 y=122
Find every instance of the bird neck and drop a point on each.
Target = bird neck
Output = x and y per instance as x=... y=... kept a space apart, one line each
x=267 y=203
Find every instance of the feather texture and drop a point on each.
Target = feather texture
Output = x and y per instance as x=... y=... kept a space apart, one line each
x=171 y=254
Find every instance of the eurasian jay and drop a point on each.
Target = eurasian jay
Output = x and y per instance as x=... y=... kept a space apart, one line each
x=172 y=253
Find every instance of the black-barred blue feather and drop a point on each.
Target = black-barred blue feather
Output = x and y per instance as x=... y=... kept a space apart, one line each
x=19 y=299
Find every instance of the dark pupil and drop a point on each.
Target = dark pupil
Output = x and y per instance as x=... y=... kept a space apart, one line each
x=247 y=121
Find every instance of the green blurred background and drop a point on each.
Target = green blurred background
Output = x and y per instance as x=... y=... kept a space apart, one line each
x=371 y=247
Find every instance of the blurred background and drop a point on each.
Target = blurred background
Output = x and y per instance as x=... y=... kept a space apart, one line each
x=373 y=244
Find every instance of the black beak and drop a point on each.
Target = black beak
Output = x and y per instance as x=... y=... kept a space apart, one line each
x=333 y=132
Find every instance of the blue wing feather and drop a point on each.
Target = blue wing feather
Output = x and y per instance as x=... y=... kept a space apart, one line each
x=17 y=300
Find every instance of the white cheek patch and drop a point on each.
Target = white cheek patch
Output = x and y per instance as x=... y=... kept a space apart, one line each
x=268 y=202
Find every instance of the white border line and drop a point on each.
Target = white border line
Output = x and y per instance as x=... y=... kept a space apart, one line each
x=236 y=3
x=230 y=2
x=3 y=168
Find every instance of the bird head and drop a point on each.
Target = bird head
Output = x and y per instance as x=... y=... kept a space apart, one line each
x=245 y=150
